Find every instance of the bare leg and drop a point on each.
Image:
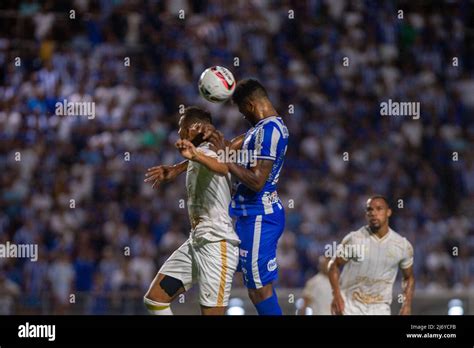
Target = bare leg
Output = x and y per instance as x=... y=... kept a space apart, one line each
x=163 y=290
x=259 y=295
x=212 y=310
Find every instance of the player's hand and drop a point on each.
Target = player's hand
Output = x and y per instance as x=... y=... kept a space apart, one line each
x=161 y=174
x=337 y=305
x=187 y=149
x=405 y=310
x=203 y=129
x=217 y=139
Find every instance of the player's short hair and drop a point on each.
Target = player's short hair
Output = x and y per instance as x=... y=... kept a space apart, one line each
x=382 y=197
x=193 y=114
x=248 y=89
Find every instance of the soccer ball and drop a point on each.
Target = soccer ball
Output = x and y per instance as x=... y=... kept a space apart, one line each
x=216 y=84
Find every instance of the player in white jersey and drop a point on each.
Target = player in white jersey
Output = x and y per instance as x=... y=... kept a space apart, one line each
x=371 y=257
x=210 y=256
x=317 y=294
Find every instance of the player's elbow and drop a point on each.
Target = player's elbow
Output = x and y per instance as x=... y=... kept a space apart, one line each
x=330 y=266
x=259 y=183
x=333 y=266
x=257 y=186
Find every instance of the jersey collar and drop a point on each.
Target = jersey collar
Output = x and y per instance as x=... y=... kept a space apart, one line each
x=380 y=240
x=265 y=120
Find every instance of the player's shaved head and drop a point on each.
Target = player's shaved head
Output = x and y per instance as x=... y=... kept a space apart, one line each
x=248 y=89
x=252 y=100
x=383 y=198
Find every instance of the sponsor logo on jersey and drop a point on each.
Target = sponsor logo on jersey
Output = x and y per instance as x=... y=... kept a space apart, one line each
x=271 y=198
x=272 y=265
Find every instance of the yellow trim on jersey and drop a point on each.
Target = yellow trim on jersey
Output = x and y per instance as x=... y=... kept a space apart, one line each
x=156 y=308
x=220 y=295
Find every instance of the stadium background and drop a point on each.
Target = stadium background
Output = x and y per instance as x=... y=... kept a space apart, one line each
x=329 y=109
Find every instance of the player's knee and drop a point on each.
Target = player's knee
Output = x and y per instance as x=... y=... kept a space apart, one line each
x=158 y=297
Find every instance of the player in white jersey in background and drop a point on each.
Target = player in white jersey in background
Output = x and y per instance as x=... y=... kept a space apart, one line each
x=371 y=257
x=317 y=295
x=210 y=256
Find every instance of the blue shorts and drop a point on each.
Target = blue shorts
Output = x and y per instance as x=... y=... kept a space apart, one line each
x=259 y=238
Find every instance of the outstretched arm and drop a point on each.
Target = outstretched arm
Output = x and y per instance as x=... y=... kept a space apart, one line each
x=189 y=151
x=208 y=132
x=165 y=173
x=237 y=142
x=254 y=177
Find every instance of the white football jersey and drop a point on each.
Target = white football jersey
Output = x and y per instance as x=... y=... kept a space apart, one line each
x=318 y=290
x=372 y=265
x=209 y=195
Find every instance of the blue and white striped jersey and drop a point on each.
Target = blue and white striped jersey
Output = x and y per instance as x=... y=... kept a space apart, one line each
x=268 y=140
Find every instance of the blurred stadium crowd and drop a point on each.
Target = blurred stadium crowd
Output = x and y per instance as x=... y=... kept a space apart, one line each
x=329 y=108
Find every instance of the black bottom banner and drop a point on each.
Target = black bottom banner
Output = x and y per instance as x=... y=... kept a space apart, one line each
x=149 y=331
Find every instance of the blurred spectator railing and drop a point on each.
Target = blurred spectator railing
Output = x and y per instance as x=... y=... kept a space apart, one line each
x=130 y=303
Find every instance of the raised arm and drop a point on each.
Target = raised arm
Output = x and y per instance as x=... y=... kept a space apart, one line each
x=208 y=133
x=254 y=177
x=166 y=173
x=236 y=143
x=189 y=151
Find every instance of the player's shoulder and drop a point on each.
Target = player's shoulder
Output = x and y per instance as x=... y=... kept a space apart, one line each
x=275 y=122
x=313 y=281
x=319 y=278
x=398 y=239
x=361 y=233
x=395 y=235
x=205 y=148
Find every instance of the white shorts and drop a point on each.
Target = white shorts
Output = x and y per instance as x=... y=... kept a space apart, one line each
x=211 y=265
x=352 y=307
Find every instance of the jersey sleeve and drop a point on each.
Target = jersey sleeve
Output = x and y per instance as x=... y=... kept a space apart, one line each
x=407 y=259
x=207 y=151
x=267 y=139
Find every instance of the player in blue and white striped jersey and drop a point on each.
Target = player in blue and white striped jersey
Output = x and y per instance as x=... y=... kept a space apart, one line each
x=260 y=217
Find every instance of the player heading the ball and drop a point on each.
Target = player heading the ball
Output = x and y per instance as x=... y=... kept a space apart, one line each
x=209 y=257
